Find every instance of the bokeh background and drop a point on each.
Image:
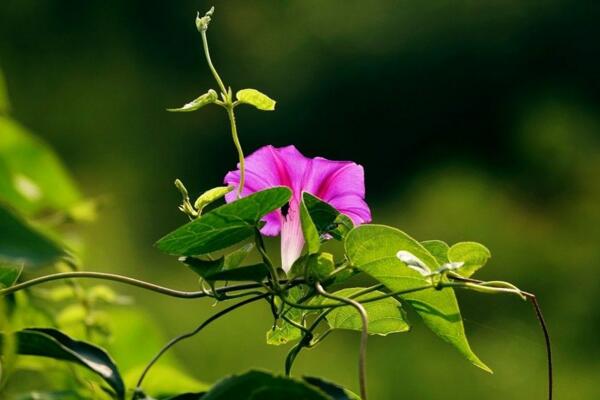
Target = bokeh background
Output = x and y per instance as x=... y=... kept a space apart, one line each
x=474 y=121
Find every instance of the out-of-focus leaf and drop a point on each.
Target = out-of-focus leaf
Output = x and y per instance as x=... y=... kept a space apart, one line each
x=9 y=273
x=199 y=102
x=165 y=380
x=258 y=385
x=224 y=226
x=373 y=249
x=474 y=256
x=256 y=99
x=51 y=343
x=32 y=178
x=384 y=316
x=20 y=243
x=438 y=249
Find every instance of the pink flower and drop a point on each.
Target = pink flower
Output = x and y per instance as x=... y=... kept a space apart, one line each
x=339 y=183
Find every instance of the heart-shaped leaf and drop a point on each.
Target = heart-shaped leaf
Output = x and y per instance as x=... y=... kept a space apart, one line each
x=373 y=249
x=224 y=226
x=326 y=218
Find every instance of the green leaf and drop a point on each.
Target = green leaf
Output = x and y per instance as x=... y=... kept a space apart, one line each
x=224 y=226
x=256 y=99
x=320 y=265
x=385 y=316
x=284 y=332
x=438 y=249
x=326 y=218
x=258 y=385
x=20 y=243
x=51 y=343
x=331 y=389
x=228 y=267
x=207 y=98
x=474 y=256
x=165 y=380
x=9 y=273
x=255 y=273
x=32 y=178
x=373 y=249
x=311 y=235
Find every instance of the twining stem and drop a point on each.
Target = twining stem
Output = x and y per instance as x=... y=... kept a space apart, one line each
x=129 y=281
x=179 y=338
x=238 y=146
x=362 y=358
x=229 y=105
x=538 y=312
x=209 y=62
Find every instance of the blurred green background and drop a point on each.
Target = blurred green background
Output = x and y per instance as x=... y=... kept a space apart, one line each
x=474 y=121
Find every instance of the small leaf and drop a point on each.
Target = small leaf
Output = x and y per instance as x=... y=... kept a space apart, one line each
x=227 y=267
x=20 y=243
x=255 y=273
x=9 y=273
x=373 y=248
x=256 y=98
x=211 y=196
x=224 y=226
x=438 y=249
x=207 y=98
x=259 y=385
x=32 y=178
x=46 y=342
x=384 y=316
x=474 y=256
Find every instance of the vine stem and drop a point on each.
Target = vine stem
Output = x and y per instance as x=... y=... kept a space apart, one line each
x=540 y=317
x=229 y=105
x=126 y=280
x=362 y=358
x=187 y=335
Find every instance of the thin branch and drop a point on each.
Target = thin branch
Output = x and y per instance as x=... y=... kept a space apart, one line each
x=129 y=281
x=179 y=338
x=362 y=358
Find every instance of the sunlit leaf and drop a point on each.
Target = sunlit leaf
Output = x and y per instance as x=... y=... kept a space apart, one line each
x=20 y=243
x=373 y=249
x=474 y=256
x=258 y=385
x=384 y=316
x=51 y=343
x=199 y=102
x=438 y=249
x=256 y=99
x=224 y=226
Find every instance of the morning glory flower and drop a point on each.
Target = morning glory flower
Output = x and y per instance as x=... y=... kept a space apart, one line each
x=339 y=183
